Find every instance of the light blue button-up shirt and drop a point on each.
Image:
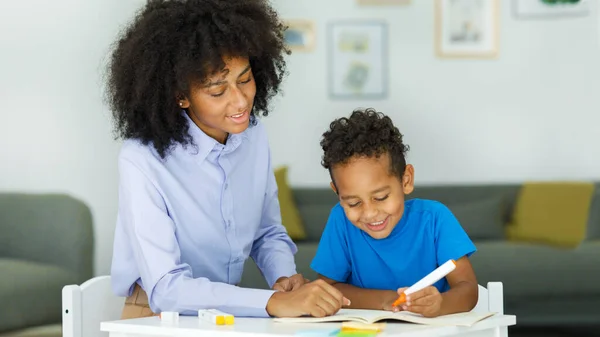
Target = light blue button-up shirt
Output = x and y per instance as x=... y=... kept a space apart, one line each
x=187 y=223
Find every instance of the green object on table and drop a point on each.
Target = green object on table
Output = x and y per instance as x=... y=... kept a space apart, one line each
x=357 y=333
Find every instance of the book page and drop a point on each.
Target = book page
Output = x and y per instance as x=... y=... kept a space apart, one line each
x=373 y=316
x=366 y=316
x=459 y=319
x=357 y=315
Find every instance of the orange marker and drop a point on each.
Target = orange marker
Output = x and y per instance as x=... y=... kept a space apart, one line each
x=428 y=280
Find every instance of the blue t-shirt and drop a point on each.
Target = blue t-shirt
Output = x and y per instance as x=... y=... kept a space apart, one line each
x=427 y=236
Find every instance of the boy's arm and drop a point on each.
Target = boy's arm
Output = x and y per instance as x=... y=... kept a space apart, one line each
x=461 y=297
x=464 y=289
x=364 y=298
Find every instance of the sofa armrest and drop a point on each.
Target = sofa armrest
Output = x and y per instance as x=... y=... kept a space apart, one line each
x=47 y=228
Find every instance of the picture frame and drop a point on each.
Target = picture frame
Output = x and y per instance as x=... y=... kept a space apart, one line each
x=467 y=28
x=357 y=59
x=532 y=9
x=300 y=35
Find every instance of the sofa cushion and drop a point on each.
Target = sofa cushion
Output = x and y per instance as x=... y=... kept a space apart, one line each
x=593 y=225
x=290 y=217
x=553 y=213
x=315 y=218
x=458 y=194
x=31 y=292
x=481 y=219
x=530 y=270
x=314 y=205
x=54 y=229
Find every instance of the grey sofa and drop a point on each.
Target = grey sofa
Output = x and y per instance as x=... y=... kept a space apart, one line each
x=543 y=285
x=46 y=242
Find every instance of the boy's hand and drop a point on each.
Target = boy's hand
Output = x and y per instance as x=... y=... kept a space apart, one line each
x=317 y=299
x=388 y=303
x=427 y=302
x=290 y=283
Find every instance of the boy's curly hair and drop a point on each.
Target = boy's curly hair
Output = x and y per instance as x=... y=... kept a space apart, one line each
x=366 y=133
x=172 y=45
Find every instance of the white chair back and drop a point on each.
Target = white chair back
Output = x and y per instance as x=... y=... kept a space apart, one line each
x=490 y=299
x=85 y=306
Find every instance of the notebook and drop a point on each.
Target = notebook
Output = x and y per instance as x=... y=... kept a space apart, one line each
x=373 y=316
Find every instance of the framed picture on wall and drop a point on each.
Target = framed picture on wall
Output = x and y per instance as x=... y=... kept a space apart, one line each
x=550 y=8
x=299 y=35
x=357 y=59
x=467 y=28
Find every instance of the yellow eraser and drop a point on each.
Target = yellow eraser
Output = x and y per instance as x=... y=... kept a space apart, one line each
x=228 y=320
x=348 y=326
x=220 y=320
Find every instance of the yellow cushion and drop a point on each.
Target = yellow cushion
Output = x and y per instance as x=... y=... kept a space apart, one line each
x=554 y=213
x=290 y=216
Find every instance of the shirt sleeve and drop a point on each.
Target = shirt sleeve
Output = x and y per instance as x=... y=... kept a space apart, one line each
x=452 y=242
x=332 y=258
x=169 y=283
x=273 y=250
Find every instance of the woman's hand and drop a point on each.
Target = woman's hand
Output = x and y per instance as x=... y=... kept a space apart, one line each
x=290 y=283
x=427 y=302
x=317 y=299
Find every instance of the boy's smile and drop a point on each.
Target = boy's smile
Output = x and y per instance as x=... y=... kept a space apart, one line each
x=371 y=195
x=378 y=226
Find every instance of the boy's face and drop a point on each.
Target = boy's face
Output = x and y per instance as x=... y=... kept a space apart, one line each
x=371 y=195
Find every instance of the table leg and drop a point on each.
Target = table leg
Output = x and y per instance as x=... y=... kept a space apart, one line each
x=502 y=331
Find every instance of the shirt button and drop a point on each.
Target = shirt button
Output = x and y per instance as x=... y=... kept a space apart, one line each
x=226 y=185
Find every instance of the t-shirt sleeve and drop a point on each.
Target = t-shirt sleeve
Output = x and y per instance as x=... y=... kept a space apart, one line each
x=332 y=258
x=452 y=242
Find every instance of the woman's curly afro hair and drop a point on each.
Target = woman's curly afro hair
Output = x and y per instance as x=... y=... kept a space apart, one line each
x=172 y=45
x=366 y=133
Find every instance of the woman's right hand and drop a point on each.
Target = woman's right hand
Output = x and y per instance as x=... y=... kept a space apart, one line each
x=316 y=298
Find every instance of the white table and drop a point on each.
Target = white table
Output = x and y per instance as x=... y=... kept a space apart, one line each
x=190 y=326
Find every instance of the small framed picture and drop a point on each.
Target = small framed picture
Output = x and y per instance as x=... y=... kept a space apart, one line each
x=550 y=8
x=357 y=58
x=467 y=28
x=299 y=35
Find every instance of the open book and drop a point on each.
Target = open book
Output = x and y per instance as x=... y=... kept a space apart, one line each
x=373 y=316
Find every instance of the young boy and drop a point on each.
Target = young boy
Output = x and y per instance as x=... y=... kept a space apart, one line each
x=376 y=243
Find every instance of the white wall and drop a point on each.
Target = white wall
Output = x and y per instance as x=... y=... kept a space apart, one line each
x=55 y=132
x=533 y=113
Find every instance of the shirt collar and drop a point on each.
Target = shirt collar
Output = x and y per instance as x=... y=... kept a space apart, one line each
x=203 y=144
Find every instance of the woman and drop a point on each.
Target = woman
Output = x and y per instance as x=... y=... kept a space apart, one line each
x=197 y=193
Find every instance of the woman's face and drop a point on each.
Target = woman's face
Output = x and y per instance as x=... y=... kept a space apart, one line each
x=223 y=102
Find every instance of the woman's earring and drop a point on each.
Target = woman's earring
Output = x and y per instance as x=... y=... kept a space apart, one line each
x=180 y=104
